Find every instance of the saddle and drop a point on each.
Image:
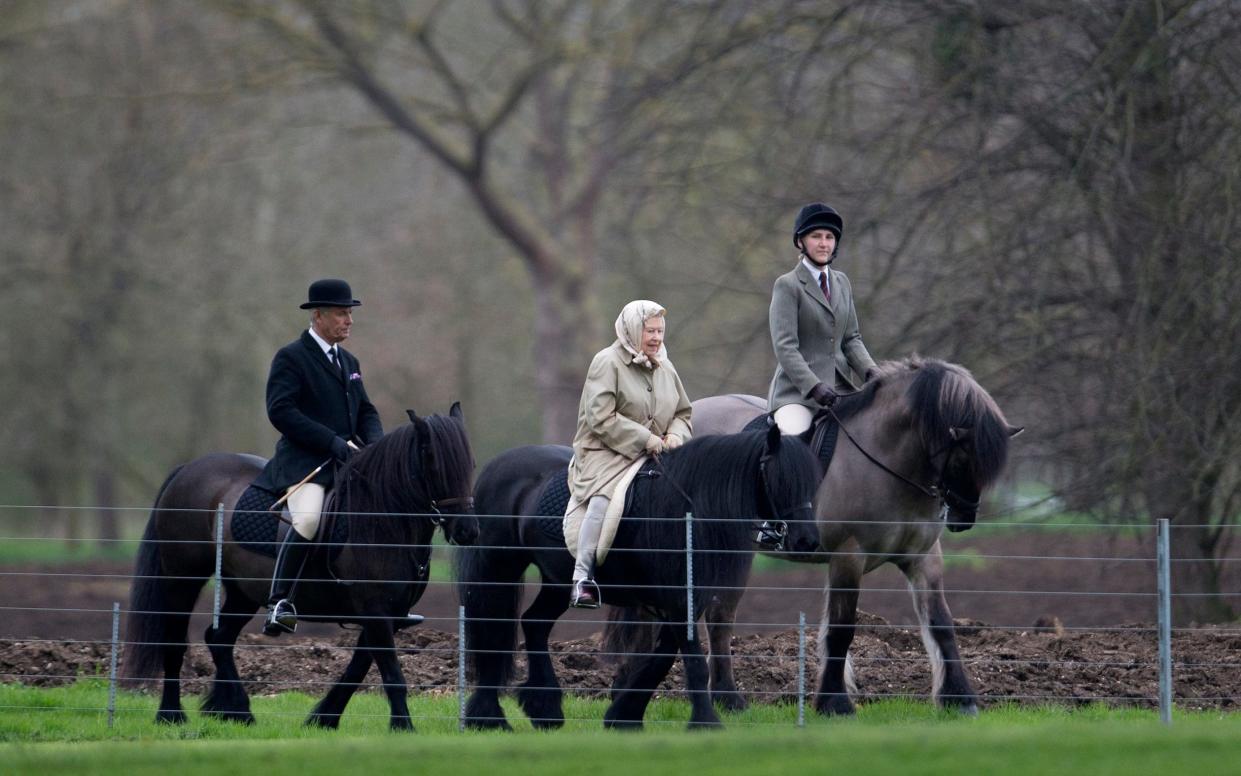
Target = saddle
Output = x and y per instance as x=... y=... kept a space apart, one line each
x=824 y=432
x=258 y=529
x=554 y=499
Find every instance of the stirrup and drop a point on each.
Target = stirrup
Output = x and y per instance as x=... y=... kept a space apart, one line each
x=585 y=595
x=281 y=619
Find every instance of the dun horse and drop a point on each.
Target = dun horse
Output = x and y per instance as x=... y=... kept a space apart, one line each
x=728 y=482
x=916 y=447
x=387 y=501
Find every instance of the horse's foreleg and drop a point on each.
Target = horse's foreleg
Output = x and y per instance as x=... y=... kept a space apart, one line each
x=228 y=699
x=836 y=633
x=327 y=711
x=702 y=711
x=540 y=696
x=950 y=686
x=383 y=650
x=720 y=616
x=633 y=687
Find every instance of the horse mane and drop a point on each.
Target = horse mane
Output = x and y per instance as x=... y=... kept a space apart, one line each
x=707 y=469
x=398 y=477
x=943 y=396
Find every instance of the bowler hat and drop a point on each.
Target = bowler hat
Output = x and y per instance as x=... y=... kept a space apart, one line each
x=330 y=292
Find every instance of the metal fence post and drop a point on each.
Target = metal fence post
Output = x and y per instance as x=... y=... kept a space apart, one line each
x=689 y=576
x=219 y=564
x=116 y=629
x=1163 y=555
x=801 y=669
x=461 y=668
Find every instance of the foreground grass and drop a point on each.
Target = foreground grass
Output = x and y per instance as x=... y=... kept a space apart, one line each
x=64 y=729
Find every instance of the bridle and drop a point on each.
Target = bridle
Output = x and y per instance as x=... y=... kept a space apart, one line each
x=940 y=491
x=767 y=532
x=464 y=504
x=776 y=531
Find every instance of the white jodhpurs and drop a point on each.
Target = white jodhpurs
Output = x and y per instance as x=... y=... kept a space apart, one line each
x=305 y=506
x=793 y=419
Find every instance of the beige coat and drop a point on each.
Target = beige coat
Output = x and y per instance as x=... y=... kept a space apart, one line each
x=622 y=405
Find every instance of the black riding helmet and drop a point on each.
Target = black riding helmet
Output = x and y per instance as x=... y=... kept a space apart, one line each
x=816 y=215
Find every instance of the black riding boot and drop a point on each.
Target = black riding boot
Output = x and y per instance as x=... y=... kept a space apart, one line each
x=281 y=616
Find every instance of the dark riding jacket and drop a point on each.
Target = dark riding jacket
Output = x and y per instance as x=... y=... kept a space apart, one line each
x=310 y=402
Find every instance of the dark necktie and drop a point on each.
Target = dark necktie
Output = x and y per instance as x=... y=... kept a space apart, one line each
x=334 y=356
x=823 y=285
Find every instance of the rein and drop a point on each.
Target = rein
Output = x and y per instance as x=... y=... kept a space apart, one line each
x=771 y=532
x=939 y=491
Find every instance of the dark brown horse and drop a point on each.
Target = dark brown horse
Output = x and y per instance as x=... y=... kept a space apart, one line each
x=917 y=446
x=387 y=502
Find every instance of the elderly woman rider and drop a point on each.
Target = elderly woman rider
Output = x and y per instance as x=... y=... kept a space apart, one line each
x=633 y=404
x=814 y=326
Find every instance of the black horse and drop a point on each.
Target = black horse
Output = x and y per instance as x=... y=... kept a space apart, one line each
x=387 y=502
x=727 y=482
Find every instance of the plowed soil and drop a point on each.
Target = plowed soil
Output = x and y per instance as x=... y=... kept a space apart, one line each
x=1063 y=619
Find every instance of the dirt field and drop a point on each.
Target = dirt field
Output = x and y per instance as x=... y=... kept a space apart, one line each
x=1070 y=621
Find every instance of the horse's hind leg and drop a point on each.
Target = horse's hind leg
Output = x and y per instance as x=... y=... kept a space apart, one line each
x=228 y=699
x=327 y=711
x=836 y=634
x=950 y=686
x=634 y=686
x=179 y=600
x=720 y=616
x=540 y=695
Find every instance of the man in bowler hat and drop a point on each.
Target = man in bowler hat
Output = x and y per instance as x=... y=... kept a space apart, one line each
x=316 y=400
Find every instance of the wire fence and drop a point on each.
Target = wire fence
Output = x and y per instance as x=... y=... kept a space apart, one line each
x=776 y=650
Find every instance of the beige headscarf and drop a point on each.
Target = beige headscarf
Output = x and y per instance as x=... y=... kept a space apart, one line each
x=629 y=326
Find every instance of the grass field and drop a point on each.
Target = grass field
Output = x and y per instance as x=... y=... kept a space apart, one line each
x=65 y=730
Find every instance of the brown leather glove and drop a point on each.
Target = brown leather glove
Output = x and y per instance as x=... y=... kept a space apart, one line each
x=823 y=395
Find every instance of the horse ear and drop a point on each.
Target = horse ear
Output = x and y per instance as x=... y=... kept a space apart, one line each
x=960 y=434
x=413 y=416
x=455 y=411
x=773 y=438
x=1015 y=430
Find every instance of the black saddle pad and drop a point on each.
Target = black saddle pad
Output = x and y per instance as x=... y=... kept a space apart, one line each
x=826 y=430
x=256 y=528
x=554 y=499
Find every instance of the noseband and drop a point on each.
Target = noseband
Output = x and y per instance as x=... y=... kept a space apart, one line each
x=465 y=503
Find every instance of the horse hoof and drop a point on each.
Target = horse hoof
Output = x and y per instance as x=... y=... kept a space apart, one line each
x=835 y=706
x=401 y=723
x=730 y=701
x=622 y=724
x=241 y=717
x=491 y=723
x=547 y=723
x=705 y=725
x=325 y=721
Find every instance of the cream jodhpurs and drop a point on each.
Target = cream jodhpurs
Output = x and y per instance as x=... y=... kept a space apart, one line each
x=306 y=505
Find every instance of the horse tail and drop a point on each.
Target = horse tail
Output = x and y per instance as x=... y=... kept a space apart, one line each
x=629 y=631
x=489 y=582
x=151 y=622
